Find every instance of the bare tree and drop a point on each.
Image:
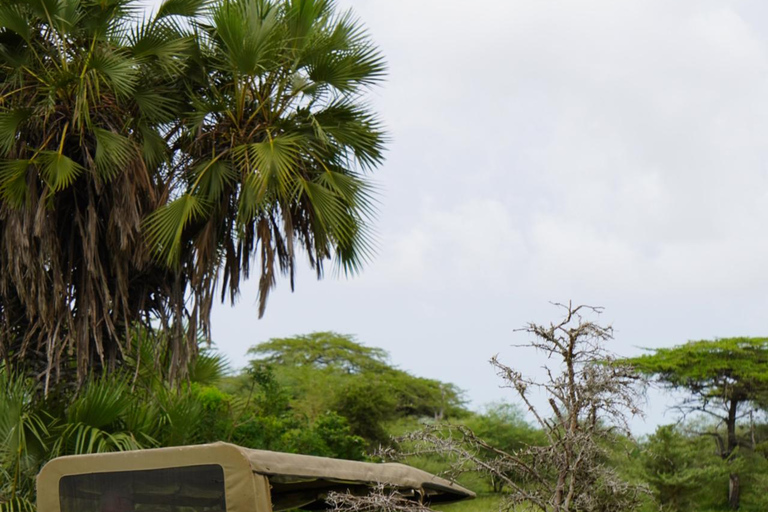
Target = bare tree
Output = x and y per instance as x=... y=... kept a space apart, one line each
x=589 y=401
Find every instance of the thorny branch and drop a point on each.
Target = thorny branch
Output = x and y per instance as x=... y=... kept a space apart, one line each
x=381 y=499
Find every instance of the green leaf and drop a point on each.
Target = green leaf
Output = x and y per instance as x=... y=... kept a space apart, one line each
x=13 y=182
x=250 y=33
x=13 y=18
x=213 y=177
x=153 y=146
x=58 y=171
x=275 y=161
x=164 y=227
x=302 y=15
x=118 y=69
x=157 y=107
x=18 y=504
x=343 y=57
x=9 y=125
x=114 y=153
x=163 y=42
x=352 y=128
x=187 y=8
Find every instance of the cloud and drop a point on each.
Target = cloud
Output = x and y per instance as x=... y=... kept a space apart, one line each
x=471 y=244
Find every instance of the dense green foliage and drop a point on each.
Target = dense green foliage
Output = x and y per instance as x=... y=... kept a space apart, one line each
x=265 y=406
x=682 y=471
x=720 y=369
x=326 y=371
x=122 y=413
x=722 y=377
x=143 y=158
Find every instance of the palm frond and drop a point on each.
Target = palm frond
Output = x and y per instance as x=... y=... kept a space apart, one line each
x=342 y=56
x=45 y=9
x=187 y=8
x=113 y=153
x=23 y=425
x=58 y=170
x=119 y=71
x=209 y=368
x=153 y=146
x=164 y=227
x=345 y=71
x=14 y=18
x=179 y=415
x=302 y=17
x=275 y=161
x=212 y=177
x=155 y=106
x=94 y=422
x=354 y=128
x=9 y=125
x=161 y=41
x=68 y=16
x=357 y=250
x=18 y=504
x=250 y=33
x=13 y=182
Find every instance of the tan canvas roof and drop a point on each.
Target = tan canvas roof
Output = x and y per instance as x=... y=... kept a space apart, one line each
x=288 y=472
x=260 y=479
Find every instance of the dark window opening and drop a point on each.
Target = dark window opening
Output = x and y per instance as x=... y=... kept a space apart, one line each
x=184 y=489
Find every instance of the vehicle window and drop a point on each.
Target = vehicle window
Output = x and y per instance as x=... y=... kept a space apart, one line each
x=185 y=489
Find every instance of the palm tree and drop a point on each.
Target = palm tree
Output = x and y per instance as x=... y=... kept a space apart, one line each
x=144 y=161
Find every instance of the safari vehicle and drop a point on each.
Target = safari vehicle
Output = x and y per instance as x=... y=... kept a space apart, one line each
x=222 y=477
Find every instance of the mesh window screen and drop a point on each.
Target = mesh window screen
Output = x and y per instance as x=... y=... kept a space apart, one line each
x=186 y=489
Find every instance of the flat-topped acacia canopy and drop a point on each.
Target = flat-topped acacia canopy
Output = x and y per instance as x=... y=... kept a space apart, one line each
x=221 y=477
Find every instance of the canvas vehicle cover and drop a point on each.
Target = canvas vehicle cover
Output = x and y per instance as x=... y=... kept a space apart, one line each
x=221 y=477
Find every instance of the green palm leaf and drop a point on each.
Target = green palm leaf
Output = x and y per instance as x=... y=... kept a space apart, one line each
x=354 y=129
x=18 y=504
x=164 y=227
x=250 y=33
x=155 y=106
x=274 y=161
x=119 y=71
x=188 y=8
x=153 y=146
x=343 y=57
x=113 y=153
x=9 y=125
x=13 y=181
x=58 y=170
x=14 y=18
x=94 y=422
x=212 y=177
x=23 y=434
x=163 y=42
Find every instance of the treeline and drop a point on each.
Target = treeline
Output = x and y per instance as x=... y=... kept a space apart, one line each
x=326 y=394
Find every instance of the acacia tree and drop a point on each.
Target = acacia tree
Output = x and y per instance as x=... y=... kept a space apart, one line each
x=588 y=404
x=723 y=378
x=144 y=161
x=327 y=371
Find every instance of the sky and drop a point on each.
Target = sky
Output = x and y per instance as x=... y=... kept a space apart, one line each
x=601 y=152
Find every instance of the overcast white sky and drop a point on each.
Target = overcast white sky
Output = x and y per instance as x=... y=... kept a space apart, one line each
x=610 y=153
